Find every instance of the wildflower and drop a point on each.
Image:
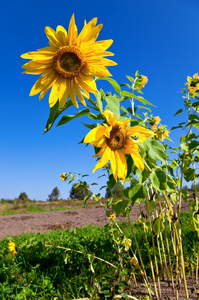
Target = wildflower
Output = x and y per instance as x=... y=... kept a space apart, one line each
x=115 y=141
x=12 y=248
x=69 y=64
x=193 y=87
x=112 y=217
x=154 y=122
x=63 y=176
x=141 y=81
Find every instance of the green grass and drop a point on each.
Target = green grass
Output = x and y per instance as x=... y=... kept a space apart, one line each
x=46 y=272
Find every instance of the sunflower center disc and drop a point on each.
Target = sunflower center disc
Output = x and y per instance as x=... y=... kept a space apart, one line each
x=117 y=138
x=68 y=62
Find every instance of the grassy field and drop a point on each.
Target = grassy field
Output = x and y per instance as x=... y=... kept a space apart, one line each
x=44 y=269
x=8 y=207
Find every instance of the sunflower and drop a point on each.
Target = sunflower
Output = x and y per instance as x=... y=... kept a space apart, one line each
x=141 y=81
x=193 y=87
x=12 y=248
x=115 y=141
x=155 y=121
x=69 y=64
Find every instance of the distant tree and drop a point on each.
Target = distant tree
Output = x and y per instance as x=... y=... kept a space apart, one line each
x=116 y=190
x=185 y=188
x=54 y=196
x=80 y=191
x=23 y=197
x=193 y=187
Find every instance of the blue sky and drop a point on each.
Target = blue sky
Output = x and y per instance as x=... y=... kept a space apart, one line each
x=158 y=38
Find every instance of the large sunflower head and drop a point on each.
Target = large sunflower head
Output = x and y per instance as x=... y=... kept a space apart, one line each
x=70 y=63
x=115 y=140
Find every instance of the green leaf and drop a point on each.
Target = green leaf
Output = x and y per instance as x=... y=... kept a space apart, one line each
x=113 y=105
x=185 y=195
x=150 y=206
x=156 y=151
x=144 y=101
x=193 y=146
x=113 y=83
x=178 y=112
x=130 y=78
x=90 y=126
x=96 y=197
x=120 y=206
x=158 y=225
x=99 y=101
x=137 y=192
x=68 y=118
x=159 y=180
x=189 y=174
x=171 y=185
x=55 y=111
x=127 y=94
x=193 y=224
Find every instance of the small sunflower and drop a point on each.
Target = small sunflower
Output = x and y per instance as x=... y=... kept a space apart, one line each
x=63 y=176
x=69 y=64
x=154 y=122
x=161 y=132
x=112 y=217
x=115 y=141
x=141 y=81
x=12 y=248
x=193 y=87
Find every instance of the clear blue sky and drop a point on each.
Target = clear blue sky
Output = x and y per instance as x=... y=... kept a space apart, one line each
x=157 y=37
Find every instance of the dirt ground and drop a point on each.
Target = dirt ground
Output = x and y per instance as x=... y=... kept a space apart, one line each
x=11 y=225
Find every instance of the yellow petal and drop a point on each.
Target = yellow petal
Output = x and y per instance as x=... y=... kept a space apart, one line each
x=71 y=93
x=111 y=118
x=113 y=164
x=72 y=32
x=79 y=94
x=51 y=35
x=93 y=34
x=95 y=134
x=38 y=55
x=121 y=164
x=104 y=159
x=87 y=83
x=86 y=29
x=61 y=34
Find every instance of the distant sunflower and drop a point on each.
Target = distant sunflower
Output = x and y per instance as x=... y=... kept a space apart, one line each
x=69 y=64
x=12 y=248
x=115 y=141
x=141 y=81
x=154 y=122
x=193 y=87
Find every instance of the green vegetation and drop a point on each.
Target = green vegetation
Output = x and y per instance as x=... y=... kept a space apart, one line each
x=43 y=269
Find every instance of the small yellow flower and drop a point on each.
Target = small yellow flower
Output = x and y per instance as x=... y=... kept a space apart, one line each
x=112 y=217
x=141 y=81
x=193 y=87
x=12 y=248
x=63 y=176
x=155 y=121
x=135 y=262
x=115 y=141
x=161 y=133
x=70 y=63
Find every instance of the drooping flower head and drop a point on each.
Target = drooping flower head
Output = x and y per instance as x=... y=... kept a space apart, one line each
x=193 y=87
x=12 y=248
x=161 y=133
x=141 y=81
x=63 y=176
x=115 y=141
x=69 y=64
x=154 y=122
